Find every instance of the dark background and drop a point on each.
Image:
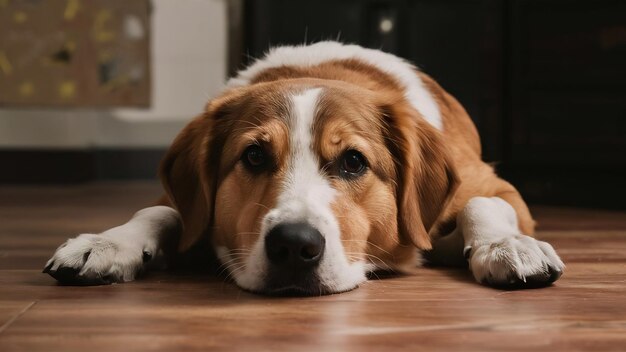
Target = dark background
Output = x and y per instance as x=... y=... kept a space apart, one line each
x=544 y=80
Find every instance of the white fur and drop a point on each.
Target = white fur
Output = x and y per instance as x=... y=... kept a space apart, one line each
x=306 y=196
x=310 y=55
x=500 y=253
x=118 y=252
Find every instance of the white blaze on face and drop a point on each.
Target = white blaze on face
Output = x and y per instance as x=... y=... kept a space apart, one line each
x=306 y=196
x=306 y=193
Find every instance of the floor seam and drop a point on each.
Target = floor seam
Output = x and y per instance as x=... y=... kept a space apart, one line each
x=17 y=316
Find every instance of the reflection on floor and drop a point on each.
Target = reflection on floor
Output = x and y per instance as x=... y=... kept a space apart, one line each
x=435 y=309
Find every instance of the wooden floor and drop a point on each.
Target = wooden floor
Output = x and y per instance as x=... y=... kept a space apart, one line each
x=435 y=309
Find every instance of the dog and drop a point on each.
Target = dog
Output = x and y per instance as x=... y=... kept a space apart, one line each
x=317 y=165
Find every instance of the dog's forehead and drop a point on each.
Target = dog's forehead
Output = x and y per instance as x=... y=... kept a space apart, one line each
x=279 y=100
x=319 y=113
x=267 y=103
x=341 y=108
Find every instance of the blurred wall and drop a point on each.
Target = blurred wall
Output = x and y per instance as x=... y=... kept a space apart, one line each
x=189 y=65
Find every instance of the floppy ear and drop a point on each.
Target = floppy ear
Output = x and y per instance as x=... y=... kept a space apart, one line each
x=188 y=176
x=426 y=176
x=189 y=169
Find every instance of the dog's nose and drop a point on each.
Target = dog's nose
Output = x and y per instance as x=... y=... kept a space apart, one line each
x=297 y=245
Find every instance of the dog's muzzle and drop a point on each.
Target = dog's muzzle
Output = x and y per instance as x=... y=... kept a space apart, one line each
x=294 y=250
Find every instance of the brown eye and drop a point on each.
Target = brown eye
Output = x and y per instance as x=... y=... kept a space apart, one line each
x=353 y=164
x=254 y=157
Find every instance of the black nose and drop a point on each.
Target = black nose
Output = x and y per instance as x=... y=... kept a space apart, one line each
x=294 y=245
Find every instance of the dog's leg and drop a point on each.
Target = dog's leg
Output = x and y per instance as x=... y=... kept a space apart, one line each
x=497 y=251
x=118 y=254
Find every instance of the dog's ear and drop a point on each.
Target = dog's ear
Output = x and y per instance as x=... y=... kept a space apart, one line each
x=426 y=178
x=189 y=170
x=188 y=177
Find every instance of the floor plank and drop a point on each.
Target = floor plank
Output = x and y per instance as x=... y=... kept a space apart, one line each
x=433 y=309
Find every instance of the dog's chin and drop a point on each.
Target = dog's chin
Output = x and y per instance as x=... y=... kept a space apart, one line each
x=311 y=287
x=298 y=291
x=270 y=281
x=295 y=291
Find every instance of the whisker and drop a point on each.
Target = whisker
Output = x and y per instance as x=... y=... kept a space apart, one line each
x=233 y=271
x=369 y=243
x=263 y=205
x=369 y=257
x=231 y=266
x=373 y=272
x=236 y=250
x=240 y=252
x=225 y=269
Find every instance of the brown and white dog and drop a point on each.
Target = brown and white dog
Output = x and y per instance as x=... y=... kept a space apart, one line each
x=320 y=164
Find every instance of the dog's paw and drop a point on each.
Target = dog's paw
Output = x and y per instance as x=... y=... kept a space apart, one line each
x=96 y=260
x=515 y=262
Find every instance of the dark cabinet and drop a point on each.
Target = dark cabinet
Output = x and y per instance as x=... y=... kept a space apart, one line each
x=566 y=110
x=568 y=82
x=544 y=80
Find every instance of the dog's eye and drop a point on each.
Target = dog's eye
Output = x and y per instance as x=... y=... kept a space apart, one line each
x=254 y=157
x=352 y=164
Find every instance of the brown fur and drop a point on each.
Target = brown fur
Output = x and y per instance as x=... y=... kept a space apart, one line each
x=418 y=180
x=477 y=177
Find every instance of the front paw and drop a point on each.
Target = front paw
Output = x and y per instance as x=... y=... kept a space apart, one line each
x=96 y=260
x=515 y=261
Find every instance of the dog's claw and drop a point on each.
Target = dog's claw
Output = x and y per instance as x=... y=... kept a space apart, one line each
x=46 y=270
x=535 y=281
x=64 y=274
x=467 y=252
x=86 y=256
x=555 y=274
x=70 y=276
x=147 y=256
x=92 y=259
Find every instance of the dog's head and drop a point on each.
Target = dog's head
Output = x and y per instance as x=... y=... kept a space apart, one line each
x=306 y=185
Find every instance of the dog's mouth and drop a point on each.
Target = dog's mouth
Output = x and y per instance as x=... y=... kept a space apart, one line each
x=296 y=291
x=312 y=286
x=309 y=285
